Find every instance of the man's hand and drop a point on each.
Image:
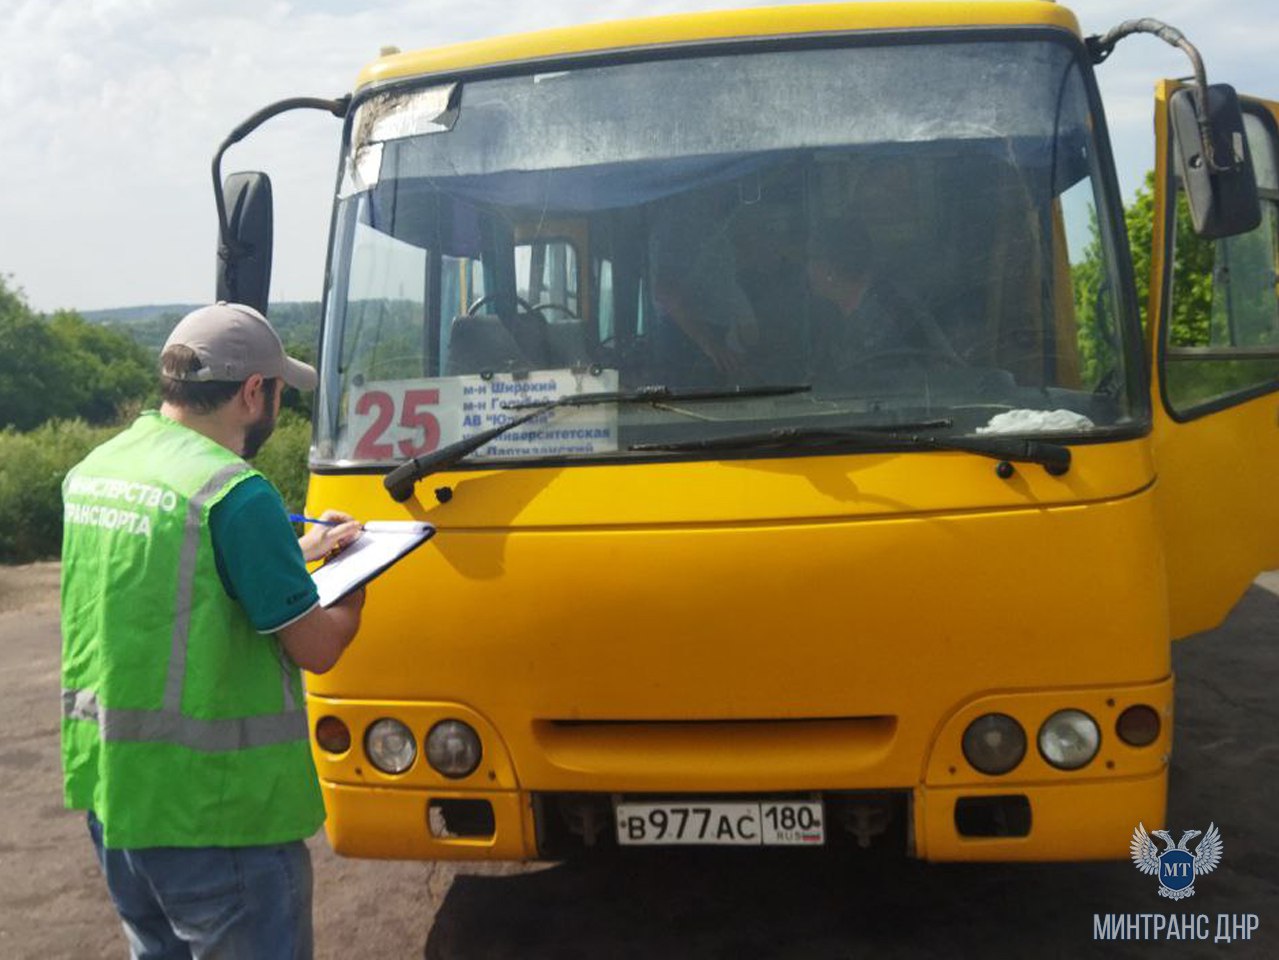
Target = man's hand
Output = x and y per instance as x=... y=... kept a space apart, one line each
x=316 y=641
x=319 y=541
x=351 y=605
x=720 y=345
x=727 y=356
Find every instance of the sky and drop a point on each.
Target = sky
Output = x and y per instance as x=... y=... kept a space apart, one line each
x=111 y=110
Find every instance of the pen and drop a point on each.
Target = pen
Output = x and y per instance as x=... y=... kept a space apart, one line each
x=298 y=518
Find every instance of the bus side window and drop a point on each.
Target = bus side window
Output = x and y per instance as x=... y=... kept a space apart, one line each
x=1223 y=330
x=386 y=331
x=604 y=292
x=546 y=273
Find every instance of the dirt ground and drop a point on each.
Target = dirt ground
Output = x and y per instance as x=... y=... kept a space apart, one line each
x=691 y=904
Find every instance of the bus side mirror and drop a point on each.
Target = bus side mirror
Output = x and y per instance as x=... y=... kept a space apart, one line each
x=1215 y=165
x=244 y=247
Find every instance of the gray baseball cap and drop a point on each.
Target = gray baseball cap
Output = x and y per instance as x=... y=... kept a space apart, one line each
x=233 y=342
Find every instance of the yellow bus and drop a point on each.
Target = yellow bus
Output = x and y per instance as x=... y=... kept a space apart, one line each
x=803 y=471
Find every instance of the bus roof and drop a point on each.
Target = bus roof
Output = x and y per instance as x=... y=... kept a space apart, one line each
x=717 y=25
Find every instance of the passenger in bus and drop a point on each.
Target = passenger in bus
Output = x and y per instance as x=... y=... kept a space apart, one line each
x=771 y=249
x=693 y=269
x=862 y=317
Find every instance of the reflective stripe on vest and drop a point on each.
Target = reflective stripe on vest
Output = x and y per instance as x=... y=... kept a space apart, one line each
x=168 y=724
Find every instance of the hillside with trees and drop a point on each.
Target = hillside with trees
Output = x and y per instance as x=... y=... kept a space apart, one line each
x=297 y=322
x=61 y=367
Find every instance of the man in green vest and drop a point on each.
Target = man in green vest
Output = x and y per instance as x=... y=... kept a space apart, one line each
x=187 y=610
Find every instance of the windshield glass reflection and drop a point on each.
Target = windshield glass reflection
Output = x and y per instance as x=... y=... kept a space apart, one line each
x=812 y=217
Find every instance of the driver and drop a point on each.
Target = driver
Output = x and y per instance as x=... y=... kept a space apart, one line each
x=860 y=315
x=694 y=271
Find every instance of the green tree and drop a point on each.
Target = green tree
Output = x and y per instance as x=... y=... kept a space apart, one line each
x=1192 y=268
x=112 y=371
x=1192 y=276
x=1192 y=303
x=1096 y=332
x=298 y=324
x=30 y=364
x=62 y=367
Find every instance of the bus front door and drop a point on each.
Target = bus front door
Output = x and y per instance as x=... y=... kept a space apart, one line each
x=1213 y=330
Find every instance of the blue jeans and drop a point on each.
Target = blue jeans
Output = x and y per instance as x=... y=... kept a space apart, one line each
x=211 y=903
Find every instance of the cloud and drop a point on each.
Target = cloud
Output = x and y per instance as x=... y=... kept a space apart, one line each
x=113 y=109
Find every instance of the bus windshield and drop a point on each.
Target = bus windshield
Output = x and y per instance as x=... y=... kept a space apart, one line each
x=915 y=231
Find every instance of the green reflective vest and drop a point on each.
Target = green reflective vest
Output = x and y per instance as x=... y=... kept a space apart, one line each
x=181 y=725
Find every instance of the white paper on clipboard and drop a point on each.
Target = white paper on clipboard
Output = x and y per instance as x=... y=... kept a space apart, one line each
x=382 y=544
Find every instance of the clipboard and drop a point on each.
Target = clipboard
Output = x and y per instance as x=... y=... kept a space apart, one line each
x=383 y=544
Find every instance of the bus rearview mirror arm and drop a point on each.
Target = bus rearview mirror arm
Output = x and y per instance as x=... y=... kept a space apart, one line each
x=245 y=237
x=1207 y=126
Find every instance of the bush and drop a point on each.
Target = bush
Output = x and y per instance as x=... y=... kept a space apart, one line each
x=32 y=466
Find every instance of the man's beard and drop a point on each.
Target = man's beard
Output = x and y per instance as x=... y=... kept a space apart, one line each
x=257 y=433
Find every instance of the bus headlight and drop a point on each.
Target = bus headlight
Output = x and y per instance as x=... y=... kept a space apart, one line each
x=1069 y=739
x=994 y=743
x=390 y=745
x=453 y=749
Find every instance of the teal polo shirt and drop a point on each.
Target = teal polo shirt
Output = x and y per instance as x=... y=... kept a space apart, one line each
x=258 y=558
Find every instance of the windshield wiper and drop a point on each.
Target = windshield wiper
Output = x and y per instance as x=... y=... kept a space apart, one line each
x=1054 y=457
x=399 y=482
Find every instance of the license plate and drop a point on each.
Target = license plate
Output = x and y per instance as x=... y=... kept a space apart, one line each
x=738 y=823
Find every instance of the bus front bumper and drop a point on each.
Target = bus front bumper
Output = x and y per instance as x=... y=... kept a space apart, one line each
x=1086 y=820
